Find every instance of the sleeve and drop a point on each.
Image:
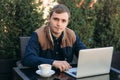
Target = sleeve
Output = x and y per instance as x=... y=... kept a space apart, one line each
x=33 y=49
x=78 y=45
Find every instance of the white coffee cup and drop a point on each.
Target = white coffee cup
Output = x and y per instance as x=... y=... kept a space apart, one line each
x=45 y=68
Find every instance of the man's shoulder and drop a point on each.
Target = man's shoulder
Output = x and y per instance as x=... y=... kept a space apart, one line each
x=70 y=34
x=70 y=31
x=40 y=28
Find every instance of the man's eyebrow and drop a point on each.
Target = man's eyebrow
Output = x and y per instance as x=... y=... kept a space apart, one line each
x=55 y=18
x=59 y=19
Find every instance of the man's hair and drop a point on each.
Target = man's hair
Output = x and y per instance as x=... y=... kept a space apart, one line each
x=60 y=8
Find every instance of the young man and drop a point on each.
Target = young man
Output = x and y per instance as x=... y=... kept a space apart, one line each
x=54 y=43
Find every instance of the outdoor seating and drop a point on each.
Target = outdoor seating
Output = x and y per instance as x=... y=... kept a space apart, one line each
x=23 y=43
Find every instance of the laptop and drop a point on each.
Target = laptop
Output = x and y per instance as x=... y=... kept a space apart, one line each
x=92 y=62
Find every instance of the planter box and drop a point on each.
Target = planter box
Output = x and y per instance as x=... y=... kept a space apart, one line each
x=6 y=66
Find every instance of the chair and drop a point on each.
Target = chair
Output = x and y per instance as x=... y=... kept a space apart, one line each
x=75 y=60
x=23 y=43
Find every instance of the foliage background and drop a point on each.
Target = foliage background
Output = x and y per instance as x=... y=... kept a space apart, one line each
x=97 y=27
x=17 y=18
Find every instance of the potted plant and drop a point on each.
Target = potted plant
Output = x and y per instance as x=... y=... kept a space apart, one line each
x=8 y=40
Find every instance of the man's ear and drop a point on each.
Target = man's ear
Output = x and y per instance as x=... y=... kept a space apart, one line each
x=48 y=19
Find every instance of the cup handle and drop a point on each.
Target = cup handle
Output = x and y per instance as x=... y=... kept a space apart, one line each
x=39 y=67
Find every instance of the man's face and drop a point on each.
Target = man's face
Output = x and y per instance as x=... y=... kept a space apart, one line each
x=58 y=22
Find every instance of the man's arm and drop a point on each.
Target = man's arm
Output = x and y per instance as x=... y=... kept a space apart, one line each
x=78 y=45
x=32 y=51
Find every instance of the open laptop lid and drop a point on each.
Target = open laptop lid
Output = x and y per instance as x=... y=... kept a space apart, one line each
x=93 y=62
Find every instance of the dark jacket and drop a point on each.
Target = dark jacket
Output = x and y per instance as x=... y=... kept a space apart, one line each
x=43 y=47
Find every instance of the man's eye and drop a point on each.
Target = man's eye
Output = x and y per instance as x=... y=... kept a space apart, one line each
x=63 y=21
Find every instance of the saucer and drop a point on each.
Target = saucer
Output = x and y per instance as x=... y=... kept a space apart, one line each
x=47 y=75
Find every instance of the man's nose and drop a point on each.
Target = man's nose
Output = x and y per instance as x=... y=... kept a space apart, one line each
x=59 y=23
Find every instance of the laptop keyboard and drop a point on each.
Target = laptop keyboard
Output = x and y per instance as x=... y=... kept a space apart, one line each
x=73 y=73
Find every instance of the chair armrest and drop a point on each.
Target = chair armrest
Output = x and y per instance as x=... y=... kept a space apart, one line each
x=19 y=65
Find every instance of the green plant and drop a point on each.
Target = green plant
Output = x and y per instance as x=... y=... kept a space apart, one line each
x=107 y=31
x=8 y=31
x=82 y=21
x=97 y=26
x=17 y=18
x=27 y=16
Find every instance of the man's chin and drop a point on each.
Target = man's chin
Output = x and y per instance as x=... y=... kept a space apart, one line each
x=57 y=32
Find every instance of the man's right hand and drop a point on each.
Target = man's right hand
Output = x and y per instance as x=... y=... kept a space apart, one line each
x=62 y=65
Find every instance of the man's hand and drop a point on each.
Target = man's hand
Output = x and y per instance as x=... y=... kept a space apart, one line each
x=62 y=65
